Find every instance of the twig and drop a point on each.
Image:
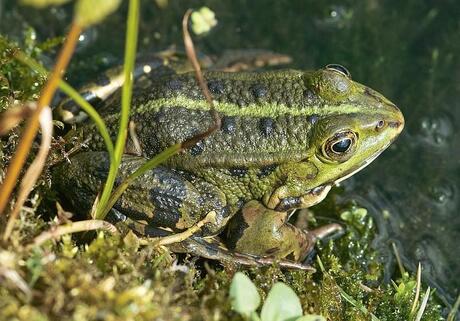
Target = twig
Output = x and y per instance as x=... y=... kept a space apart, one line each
x=80 y=226
x=174 y=149
x=417 y=291
x=398 y=259
x=34 y=170
x=423 y=305
x=191 y=55
x=179 y=237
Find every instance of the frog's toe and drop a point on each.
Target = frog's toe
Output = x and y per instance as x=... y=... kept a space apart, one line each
x=327 y=230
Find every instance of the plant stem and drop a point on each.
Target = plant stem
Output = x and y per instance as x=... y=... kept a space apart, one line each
x=130 y=57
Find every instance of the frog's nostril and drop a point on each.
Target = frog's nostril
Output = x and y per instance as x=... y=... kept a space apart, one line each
x=397 y=125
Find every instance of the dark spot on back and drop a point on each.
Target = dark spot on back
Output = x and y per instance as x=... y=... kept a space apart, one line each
x=158 y=116
x=102 y=80
x=101 y=167
x=309 y=96
x=259 y=90
x=167 y=198
x=175 y=84
x=312 y=119
x=266 y=170
x=197 y=149
x=228 y=124
x=225 y=211
x=238 y=171
x=266 y=126
x=216 y=87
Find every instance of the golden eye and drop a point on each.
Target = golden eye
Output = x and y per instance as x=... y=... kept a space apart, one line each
x=340 y=146
x=340 y=69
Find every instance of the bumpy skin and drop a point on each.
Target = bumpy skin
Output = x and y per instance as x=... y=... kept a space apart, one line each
x=277 y=145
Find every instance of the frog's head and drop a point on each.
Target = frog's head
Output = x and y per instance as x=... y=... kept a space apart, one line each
x=353 y=126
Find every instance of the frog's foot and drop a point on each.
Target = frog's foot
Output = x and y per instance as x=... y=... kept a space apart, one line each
x=214 y=250
x=264 y=232
x=210 y=247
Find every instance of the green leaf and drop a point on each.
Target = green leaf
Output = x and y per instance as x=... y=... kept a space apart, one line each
x=243 y=295
x=43 y=3
x=311 y=317
x=282 y=304
x=90 y=12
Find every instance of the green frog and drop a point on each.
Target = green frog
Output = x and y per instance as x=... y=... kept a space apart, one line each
x=286 y=137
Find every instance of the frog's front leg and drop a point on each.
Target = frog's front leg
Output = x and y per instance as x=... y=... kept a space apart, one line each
x=162 y=197
x=298 y=189
x=265 y=232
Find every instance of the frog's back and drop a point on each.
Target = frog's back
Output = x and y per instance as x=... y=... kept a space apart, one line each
x=266 y=117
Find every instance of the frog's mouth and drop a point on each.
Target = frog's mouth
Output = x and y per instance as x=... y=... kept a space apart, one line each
x=359 y=168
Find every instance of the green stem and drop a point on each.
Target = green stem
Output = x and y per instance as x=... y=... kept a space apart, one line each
x=130 y=57
x=92 y=113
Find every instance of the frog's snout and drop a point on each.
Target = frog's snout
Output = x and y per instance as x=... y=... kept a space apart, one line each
x=392 y=119
x=397 y=122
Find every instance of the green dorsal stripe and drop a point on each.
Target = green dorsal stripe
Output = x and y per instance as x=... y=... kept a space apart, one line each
x=250 y=110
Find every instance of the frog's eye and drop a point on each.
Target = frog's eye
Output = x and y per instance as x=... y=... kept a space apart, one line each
x=340 y=69
x=340 y=146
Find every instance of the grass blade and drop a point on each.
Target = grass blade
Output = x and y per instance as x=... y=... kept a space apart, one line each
x=130 y=57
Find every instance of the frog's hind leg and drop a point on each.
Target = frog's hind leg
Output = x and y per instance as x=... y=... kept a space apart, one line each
x=107 y=83
x=265 y=232
x=161 y=197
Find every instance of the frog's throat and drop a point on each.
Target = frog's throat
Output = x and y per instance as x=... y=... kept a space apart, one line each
x=361 y=166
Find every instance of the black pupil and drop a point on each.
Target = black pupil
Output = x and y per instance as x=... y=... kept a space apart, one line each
x=342 y=145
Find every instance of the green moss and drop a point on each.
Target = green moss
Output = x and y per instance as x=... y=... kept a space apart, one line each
x=17 y=81
x=114 y=277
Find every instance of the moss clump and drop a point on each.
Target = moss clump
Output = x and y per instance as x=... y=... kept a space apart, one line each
x=114 y=278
